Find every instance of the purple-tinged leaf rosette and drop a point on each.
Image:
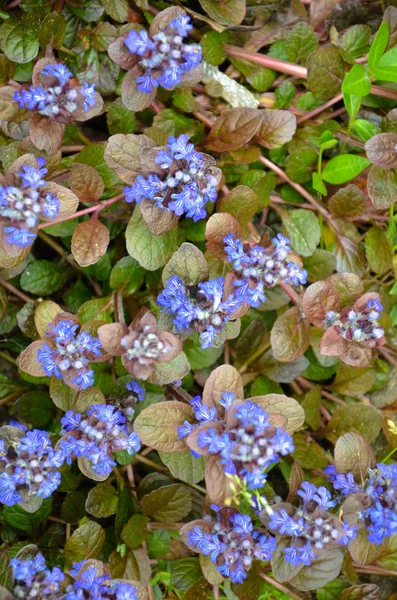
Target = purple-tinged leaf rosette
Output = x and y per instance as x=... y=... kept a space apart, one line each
x=176 y=181
x=352 y=327
x=204 y=308
x=309 y=531
x=239 y=437
x=231 y=541
x=96 y=436
x=32 y=579
x=260 y=267
x=158 y=57
x=29 y=467
x=65 y=351
x=370 y=501
x=92 y=581
x=26 y=199
x=142 y=345
x=55 y=100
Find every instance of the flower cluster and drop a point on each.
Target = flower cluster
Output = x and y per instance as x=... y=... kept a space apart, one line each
x=311 y=527
x=203 y=309
x=257 y=268
x=56 y=98
x=247 y=444
x=164 y=58
x=29 y=467
x=23 y=206
x=373 y=503
x=97 y=437
x=32 y=579
x=183 y=184
x=357 y=325
x=141 y=345
x=89 y=585
x=70 y=354
x=232 y=542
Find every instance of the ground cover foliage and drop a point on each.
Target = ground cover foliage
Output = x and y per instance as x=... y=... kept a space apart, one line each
x=198 y=309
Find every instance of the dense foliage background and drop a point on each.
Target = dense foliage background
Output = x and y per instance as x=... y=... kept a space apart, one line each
x=197 y=207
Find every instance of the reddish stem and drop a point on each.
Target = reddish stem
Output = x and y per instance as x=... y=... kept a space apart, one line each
x=266 y=61
x=11 y=288
x=319 y=109
x=92 y=209
x=294 y=296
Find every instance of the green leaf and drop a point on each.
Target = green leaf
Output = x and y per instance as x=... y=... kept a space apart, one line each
x=344 y=167
x=285 y=93
x=152 y=252
x=99 y=309
x=43 y=278
x=85 y=542
x=102 y=501
x=117 y=9
x=318 y=184
x=311 y=406
x=241 y=203
x=385 y=68
x=185 y=572
x=127 y=276
x=188 y=263
x=365 y=129
x=18 y=38
x=348 y=202
x=355 y=42
x=378 y=250
x=120 y=119
x=159 y=543
x=212 y=44
x=300 y=42
x=135 y=532
x=320 y=265
x=308 y=453
x=356 y=82
x=303 y=230
x=6 y=571
x=378 y=45
x=28 y=522
x=352 y=104
x=326 y=70
x=357 y=418
x=229 y=12
x=353 y=381
x=52 y=30
x=201 y=358
x=35 y=408
x=169 y=503
x=184 y=466
x=73 y=508
x=172 y=370
x=157 y=425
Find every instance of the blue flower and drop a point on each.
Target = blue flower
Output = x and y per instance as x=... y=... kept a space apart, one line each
x=186 y=185
x=249 y=447
x=207 y=313
x=29 y=468
x=233 y=543
x=97 y=436
x=89 y=585
x=57 y=98
x=311 y=527
x=22 y=207
x=33 y=580
x=68 y=354
x=128 y=401
x=258 y=268
x=164 y=58
x=377 y=496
